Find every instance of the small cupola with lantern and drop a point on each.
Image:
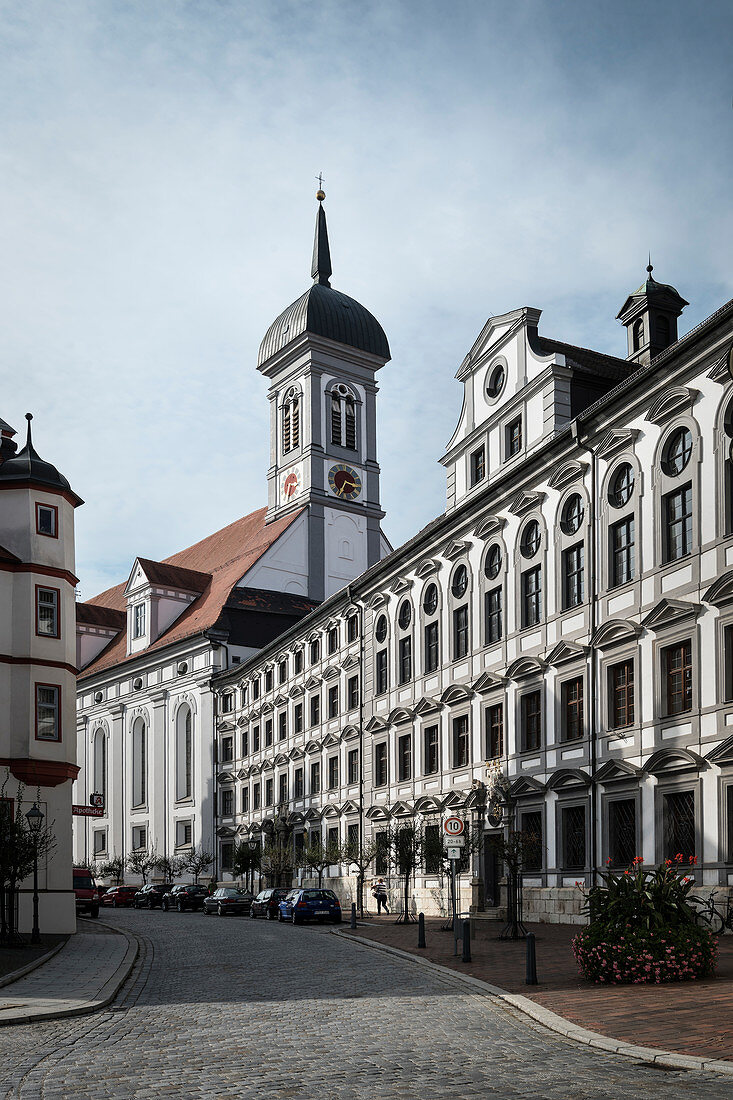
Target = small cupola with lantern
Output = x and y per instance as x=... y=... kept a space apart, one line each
x=650 y=317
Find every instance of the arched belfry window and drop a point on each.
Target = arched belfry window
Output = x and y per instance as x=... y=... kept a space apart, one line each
x=343 y=418
x=184 y=753
x=291 y=421
x=100 y=762
x=638 y=333
x=139 y=762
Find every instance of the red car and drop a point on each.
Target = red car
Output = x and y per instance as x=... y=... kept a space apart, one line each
x=118 y=896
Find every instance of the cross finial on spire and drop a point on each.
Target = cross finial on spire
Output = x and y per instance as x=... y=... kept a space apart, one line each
x=320 y=193
x=321 y=266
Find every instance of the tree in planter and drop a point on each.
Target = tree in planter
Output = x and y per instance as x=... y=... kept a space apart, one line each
x=20 y=845
x=362 y=854
x=141 y=862
x=317 y=856
x=170 y=867
x=198 y=861
x=112 y=868
x=276 y=862
x=245 y=859
x=517 y=849
x=407 y=849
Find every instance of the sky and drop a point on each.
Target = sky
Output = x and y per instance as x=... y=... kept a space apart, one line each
x=157 y=205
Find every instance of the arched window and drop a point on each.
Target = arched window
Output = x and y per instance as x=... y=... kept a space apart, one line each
x=100 y=763
x=728 y=468
x=184 y=752
x=291 y=421
x=139 y=762
x=343 y=418
x=637 y=333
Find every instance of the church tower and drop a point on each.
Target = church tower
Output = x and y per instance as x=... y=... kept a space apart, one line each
x=650 y=316
x=321 y=357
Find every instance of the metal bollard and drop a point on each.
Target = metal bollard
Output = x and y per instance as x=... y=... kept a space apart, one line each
x=421 y=930
x=353 y=914
x=466 y=941
x=531 y=978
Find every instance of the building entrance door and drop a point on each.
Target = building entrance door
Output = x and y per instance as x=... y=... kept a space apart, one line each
x=492 y=870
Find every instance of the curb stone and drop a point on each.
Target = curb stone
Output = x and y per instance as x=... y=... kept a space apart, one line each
x=106 y=994
x=23 y=970
x=551 y=1020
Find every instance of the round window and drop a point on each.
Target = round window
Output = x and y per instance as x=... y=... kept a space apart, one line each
x=677 y=452
x=531 y=539
x=98 y=697
x=495 y=384
x=460 y=582
x=572 y=514
x=622 y=486
x=430 y=599
x=137 y=684
x=381 y=631
x=492 y=565
x=405 y=615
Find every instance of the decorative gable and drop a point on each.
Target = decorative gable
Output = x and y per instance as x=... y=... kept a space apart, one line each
x=614 y=632
x=566 y=651
x=671 y=403
x=525 y=666
x=491 y=525
x=567 y=473
x=427 y=567
x=720 y=591
x=618 y=439
x=525 y=502
x=670 y=613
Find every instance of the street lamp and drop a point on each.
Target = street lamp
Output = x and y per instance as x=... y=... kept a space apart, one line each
x=34 y=817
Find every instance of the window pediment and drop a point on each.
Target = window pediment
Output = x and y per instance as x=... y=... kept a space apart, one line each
x=525 y=502
x=296 y=691
x=723 y=754
x=377 y=600
x=566 y=651
x=455 y=800
x=491 y=525
x=351 y=662
x=281 y=759
x=402 y=809
x=614 y=632
x=224 y=830
x=330 y=741
x=720 y=591
x=401 y=585
x=312 y=815
x=349 y=807
x=456 y=693
x=399 y=716
x=295 y=818
x=671 y=403
x=526 y=786
x=428 y=804
x=525 y=666
x=375 y=723
x=313 y=746
x=568 y=473
x=281 y=701
x=330 y=672
x=378 y=813
x=672 y=761
x=456 y=549
x=617 y=439
x=226 y=727
x=427 y=567
x=225 y=777
x=312 y=682
x=296 y=754
x=566 y=778
x=267 y=765
x=267 y=708
x=617 y=771
x=486 y=682
x=331 y=810
x=242 y=830
x=426 y=705
x=350 y=733
x=722 y=369
x=670 y=613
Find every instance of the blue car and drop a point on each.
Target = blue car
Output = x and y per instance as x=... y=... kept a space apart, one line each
x=308 y=904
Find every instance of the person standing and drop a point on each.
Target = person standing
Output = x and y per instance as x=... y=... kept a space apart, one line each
x=380 y=894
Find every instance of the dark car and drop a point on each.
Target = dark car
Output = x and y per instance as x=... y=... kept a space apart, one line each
x=151 y=896
x=308 y=904
x=190 y=896
x=85 y=892
x=227 y=899
x=267 y=903
x=118 y=896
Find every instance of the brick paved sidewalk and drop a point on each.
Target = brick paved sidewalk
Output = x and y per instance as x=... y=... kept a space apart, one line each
x=83 y=976
x=693 y=1018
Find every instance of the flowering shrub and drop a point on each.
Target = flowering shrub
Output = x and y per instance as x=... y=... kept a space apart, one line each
x=642 y=928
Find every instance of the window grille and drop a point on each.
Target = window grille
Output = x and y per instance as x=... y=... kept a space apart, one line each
x=573 y=822
x=532 y=828
x=679 y=824
x=622 y=832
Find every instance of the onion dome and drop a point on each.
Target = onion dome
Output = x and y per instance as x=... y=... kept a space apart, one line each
x=27 y=465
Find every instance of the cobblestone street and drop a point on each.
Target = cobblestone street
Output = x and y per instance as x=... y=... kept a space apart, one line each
x=241 y=1008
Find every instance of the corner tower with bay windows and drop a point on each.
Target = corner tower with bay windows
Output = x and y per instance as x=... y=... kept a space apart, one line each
x=321 y=357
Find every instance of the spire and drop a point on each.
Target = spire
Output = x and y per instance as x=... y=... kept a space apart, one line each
x=321 y=266
x=29 y=441
x=650 y=266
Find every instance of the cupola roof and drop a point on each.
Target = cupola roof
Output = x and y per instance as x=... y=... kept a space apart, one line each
x=660 y=294
x=323 y=311
x=27 y=465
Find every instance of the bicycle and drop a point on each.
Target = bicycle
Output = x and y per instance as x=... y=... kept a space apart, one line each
x=709 y=917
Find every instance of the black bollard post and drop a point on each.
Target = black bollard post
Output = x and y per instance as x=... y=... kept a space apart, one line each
x=421 y=930
x=531 y=978
x=353 y=914
x=466 y=941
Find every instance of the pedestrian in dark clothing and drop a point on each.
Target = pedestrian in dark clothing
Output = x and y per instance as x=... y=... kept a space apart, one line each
x=379 y=892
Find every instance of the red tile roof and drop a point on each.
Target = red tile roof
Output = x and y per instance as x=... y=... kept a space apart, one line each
x=174 y=576
x=225 y=556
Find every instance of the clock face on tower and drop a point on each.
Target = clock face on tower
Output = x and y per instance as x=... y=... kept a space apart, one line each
x=289 y=485
x=345 y=482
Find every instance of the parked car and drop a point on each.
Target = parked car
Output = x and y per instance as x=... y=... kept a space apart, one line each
x=227 y=899
x=151 y=896
x=118 y=896
x=85 y=891
x=188 y=896
x=267 y=903
x=308 y=904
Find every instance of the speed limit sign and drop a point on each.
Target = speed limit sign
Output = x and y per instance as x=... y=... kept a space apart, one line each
x=453 y=826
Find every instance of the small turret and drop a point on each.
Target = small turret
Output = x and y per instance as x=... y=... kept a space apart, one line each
x=650 y=317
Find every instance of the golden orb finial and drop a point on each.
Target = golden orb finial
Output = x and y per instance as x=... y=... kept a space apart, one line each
x=320 y=195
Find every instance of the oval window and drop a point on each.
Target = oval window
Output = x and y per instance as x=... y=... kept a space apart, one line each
x=492 y=565
x=572 y=514
x=430 y=599
x=622 y=486
x=405 y=615
x=677 y=452
x=381 y=631
x=531 y=539
x=460 y=582
x=495 y=384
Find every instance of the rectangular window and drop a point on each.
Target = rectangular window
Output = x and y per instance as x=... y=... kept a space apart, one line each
x=298 y=661
x=531 y=709
x=245 y=800
x=621 y=694
x=282 y=788
x=460 y=632
x=227 y=803
x=677 y=673
x=298 y=717
x=333 y=639
x=298 y=783
x=621 y=832
x=478 y=466
x=678 y=822
x=256 y=739
x=227 y=749
x=513 y=435
x=532 y=596
x=315 y=651
x=333 y=701
x=315 y=712
x=332 y=837
x=333 y=772
x=47 y=612
x=493 y=620
x=100 y=841
x=256 y=689
x=139 y=837
x=622 y=552
x=268 y=732
x=729 y=823
x=572 y=709
x=533 y=847
x=381 y=672
x=380 y=765
x=404 y=757
x=352 y=628
x=138 y=620
x=183 y=834
x=405 y=650
x=573 y=837
x=227 y=855
x=227 y=703
x=352 y=838
x=433 y=849
x=245 y=743
x=282 y=671
x=352 y=692
x=352 y=762
x=432 y=750
x=495 y=731
x=315 y=777
x=572 y=564
x=728 y=663
x=48 y=712
x=282 y=725
x=269 y=792
x=461 y=750
x=432 y=653
x=381 y=860
x=47 y=520
x=677 y=511
x=256 y=796
x=268 y=680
